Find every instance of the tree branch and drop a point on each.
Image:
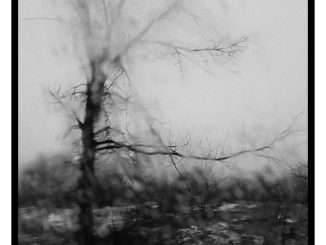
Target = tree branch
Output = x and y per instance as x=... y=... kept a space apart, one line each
x=72 y=114
x=217 y=49
x=172 y=152
x=137 y=38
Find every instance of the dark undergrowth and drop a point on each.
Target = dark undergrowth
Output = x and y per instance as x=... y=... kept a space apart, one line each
x=198 y=207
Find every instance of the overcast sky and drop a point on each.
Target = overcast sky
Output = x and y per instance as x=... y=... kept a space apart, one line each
x=256 y=96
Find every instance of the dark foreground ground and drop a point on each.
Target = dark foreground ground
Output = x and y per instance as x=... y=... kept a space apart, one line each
x=227 y=223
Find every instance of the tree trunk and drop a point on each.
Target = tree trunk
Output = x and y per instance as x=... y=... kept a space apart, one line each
x=85 y=193
x=85 y=232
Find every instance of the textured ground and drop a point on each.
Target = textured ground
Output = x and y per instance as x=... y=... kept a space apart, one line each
x=230 y=223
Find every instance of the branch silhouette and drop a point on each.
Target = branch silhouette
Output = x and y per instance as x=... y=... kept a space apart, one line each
x=171 y=151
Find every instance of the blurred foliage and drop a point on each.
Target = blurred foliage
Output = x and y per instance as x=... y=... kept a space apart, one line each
x=48 y=181
x=52 y=181
x=181 y=210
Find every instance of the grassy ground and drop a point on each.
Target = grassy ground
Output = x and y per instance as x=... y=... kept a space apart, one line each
x=233 y=223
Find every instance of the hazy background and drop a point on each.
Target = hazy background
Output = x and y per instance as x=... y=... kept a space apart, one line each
x=256 y=97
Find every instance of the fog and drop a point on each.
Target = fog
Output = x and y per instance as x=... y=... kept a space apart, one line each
x=245 y=102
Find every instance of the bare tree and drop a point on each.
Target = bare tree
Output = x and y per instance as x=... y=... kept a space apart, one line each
x=204 y=186
x=106 y=92
x=299 y=171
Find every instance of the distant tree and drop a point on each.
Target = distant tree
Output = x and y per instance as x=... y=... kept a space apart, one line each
x=204 y=185
x=299 y=171
x=47 y=181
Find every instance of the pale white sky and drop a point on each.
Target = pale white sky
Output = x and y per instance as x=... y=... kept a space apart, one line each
x=268 y=90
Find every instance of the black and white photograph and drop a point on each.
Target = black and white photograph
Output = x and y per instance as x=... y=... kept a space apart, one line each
x=163 y=122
